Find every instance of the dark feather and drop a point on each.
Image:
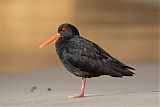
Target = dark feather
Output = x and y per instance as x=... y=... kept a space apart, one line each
x=89 y=60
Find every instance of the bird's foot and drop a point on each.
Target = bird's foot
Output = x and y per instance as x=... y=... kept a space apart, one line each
x=79 y=96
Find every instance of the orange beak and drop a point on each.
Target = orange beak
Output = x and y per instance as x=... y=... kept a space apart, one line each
x=56 y=36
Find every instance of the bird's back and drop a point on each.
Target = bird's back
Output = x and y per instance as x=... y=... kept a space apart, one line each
x=86 y=59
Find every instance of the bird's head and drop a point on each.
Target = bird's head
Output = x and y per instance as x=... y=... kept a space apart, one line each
x=64 y=31
x=68 y=30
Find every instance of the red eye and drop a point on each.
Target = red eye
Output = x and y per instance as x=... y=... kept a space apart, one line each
x=64 y=28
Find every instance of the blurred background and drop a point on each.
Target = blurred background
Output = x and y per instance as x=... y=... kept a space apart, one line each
x=127 y=29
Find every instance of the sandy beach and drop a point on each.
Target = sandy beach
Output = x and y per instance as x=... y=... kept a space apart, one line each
x=51 y=88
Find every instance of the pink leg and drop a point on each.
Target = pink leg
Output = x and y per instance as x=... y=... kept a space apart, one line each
x=82 y=90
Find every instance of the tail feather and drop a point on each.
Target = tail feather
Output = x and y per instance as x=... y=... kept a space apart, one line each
x=117 y=72
x=130 y=68
x=127 y=73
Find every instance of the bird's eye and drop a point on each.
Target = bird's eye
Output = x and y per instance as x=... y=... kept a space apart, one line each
x=64 y=29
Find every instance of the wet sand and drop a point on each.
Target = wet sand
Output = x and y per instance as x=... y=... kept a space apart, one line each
x=51 y=88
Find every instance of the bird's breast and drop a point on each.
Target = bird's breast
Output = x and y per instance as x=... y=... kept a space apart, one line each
x=60 y=47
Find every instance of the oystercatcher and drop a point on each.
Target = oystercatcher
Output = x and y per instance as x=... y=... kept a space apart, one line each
x=84 y=58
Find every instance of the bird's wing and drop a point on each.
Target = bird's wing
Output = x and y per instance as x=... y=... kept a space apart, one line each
x=114 y=61
x=115 y=67
x=87 y=56
x=83 y=55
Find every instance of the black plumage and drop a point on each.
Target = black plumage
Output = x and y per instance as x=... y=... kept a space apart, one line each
x=86 y=59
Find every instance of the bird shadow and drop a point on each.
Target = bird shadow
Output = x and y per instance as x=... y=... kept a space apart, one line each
x=119 y=93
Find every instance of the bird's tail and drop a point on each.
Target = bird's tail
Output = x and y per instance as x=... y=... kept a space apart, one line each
x=130 y=68
x=117 y=72
x=128 y=72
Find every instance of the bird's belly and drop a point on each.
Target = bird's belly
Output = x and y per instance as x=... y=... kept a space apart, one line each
x=77 y=71
x=72 y=69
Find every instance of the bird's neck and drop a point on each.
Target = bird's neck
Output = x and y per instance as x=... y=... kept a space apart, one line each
x=61 y=44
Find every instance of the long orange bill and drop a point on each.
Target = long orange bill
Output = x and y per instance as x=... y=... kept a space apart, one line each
x=56 y=36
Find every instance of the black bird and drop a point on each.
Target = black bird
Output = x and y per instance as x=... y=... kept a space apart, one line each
x=84 y=58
